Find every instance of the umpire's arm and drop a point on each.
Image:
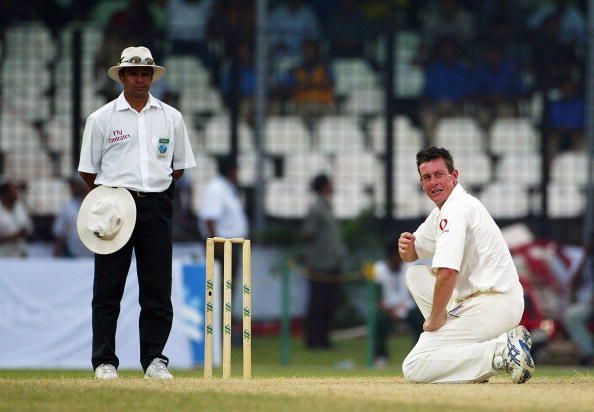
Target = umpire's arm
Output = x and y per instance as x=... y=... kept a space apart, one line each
x=89 y=179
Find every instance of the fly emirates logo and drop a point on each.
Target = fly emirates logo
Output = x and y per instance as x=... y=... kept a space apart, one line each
x=118 y=136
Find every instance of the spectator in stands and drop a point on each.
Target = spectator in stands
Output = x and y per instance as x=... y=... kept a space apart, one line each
x=579 y=313
x=311 y=84
x=490 y=12
x=67 y=243
x=323 y=259
x=291 y=23
x=445 y=19
x=552 y=60
x=15 y=222
x=399 y=13
x=567 y=119
x=121 y=31
x=510 y=38
x=572 y=23
x=499 y=85
x=447 y=85
x=245 y=78
x=188 y=22
x=232 y=21
x=347 y=29
x=396 y=304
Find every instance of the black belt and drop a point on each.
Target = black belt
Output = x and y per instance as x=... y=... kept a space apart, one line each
x=145 y=194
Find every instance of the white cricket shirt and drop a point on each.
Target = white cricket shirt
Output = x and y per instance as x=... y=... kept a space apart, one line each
x=463 y=236
x=221 y=203
x=135 y=150
x=394 y=290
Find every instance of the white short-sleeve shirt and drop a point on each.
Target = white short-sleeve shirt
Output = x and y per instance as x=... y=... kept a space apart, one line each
x=394 y=290
x=463 y=236
x=221 y=203
x=135 y=150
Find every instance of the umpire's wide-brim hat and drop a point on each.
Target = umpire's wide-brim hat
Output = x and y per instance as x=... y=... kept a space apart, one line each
x=136 y=57
x=106 y=219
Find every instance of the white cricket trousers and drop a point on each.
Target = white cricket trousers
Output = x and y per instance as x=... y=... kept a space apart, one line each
x=462 y=350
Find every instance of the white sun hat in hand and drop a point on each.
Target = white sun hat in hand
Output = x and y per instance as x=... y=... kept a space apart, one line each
x=106 y=219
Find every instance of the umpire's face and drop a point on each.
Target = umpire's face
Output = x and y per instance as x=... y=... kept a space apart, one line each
x=137 y=81
x=438 y=182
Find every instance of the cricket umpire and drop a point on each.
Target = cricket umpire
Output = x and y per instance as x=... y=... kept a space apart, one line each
x=139 y=145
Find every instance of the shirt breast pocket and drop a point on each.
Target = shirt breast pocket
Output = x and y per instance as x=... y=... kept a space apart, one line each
x=163 y=147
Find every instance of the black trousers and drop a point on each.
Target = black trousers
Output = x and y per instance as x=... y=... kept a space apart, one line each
x=152 y=242
x=323 y=300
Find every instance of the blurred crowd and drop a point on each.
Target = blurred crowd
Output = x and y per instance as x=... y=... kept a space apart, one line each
x=482 y=58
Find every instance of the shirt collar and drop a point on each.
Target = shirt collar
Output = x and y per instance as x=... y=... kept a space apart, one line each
x=456 y=192
x=122 y=103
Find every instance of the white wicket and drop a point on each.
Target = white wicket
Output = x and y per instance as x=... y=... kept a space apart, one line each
x=227 y=307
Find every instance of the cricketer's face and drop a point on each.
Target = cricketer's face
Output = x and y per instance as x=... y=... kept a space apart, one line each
x=437 y=181
x=137 y=81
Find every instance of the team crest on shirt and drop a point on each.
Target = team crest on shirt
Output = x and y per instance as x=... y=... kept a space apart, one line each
x=117 y=136
x=443 y=223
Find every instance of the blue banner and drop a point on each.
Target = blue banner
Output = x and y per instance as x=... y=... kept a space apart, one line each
x=194 y=292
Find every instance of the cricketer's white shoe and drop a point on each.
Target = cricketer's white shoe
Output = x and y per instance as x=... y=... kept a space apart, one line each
x=158 y=370
x=516 y=357
x=106 y=371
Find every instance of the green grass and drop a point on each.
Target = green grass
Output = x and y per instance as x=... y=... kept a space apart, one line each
x=338 y=379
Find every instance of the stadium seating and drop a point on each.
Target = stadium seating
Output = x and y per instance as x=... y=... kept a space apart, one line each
x=285 y=135
x=461 y=135
x=513 y=135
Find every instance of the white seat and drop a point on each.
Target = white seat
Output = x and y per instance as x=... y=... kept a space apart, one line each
x=460 y=135
x=513 y=135
x=59 y=133
x=20 y=74
x=349 y=200
x=570 y=168
x=367 y=101
x=474 y=169
x=30 y=107
x=90 y=103
x=356 y=167
x=205 y=170
x=286 y=199
x=18 y=134
x=522 y=168
x=351 y=74
x=339 y=133
x=506 y=200
x=285 y=135
x=247 y=168
x=30 y=40
x=410 y=79
x=28 y=165
x=186 y=72
x=201 y=99
x=565 y=200
x=302 y=167
x=405 y=168
x=47 y=196
x=411 y=203
x=92 y=37
x=218 y=136
x=409 y=200
x=408 y=139
x=406 y=45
